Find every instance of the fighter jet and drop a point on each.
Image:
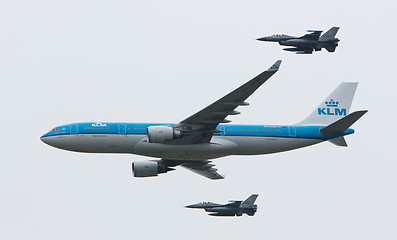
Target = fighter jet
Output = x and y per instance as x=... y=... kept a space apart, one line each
x=234 y=208
x=307 y=43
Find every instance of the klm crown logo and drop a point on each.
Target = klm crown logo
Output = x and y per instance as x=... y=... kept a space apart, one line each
x=332 y=103
x=332 y=109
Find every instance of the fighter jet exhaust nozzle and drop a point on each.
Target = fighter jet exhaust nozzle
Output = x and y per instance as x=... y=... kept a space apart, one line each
x=149 y=168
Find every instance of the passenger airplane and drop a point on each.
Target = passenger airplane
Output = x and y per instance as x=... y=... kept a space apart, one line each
x=192 y=142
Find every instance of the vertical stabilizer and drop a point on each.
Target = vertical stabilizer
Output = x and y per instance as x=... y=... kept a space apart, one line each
x=334 y=107
x=249 y=202
x=330 y=34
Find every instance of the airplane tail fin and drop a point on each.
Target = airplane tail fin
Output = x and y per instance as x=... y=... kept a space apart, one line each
x=249 y=201
x=330 y=34
x=334 y=107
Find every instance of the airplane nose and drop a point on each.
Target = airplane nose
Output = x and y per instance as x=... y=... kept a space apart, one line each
x=44 y=140
x=193 y=206
x=49 y=140
x=52 y=141
x=262 y=39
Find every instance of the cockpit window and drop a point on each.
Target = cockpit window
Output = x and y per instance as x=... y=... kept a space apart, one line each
x=55 y=129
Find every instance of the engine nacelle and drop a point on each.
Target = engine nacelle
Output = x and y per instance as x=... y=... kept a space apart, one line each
x=149 y=168
x=161 y=134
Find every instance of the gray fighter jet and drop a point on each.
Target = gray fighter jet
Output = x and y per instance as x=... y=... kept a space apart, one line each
x=234 y=208
x=307 y=43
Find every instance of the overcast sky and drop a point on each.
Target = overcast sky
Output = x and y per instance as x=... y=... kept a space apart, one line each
x=161 y=61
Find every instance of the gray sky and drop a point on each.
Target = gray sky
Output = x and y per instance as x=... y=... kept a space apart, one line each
x=161 y=61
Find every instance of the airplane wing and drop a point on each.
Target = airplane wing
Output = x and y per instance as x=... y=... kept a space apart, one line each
x=313 y=35
x=200 y=127
x=233 y=204
x=203 y=168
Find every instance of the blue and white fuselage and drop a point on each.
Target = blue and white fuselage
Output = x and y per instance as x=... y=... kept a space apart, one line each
x=203 y=136
x=233 y=140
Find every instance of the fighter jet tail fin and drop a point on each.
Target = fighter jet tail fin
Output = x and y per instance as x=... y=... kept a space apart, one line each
x=334 y=107
x=249 y=201
x=330 y=34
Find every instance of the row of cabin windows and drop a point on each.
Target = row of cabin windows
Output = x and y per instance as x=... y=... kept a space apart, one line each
x=229 y=130
x=107 y=128
x=253 y=130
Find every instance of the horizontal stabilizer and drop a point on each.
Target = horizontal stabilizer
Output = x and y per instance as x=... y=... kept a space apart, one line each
x=342 y=124
x=331 y=48
x=339 y=141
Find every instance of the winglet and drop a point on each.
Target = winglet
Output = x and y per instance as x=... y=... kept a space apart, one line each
x=275 y=66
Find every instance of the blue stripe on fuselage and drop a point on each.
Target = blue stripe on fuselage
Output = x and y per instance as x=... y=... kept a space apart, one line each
x=229 y=130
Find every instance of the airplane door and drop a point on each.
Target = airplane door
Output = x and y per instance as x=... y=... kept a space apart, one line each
x=223 y=130
x=122 y=128
x=73 y=129
x=291 y=131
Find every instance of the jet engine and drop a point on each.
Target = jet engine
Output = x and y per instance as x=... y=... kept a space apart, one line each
x=161 y=134
x=149 y=168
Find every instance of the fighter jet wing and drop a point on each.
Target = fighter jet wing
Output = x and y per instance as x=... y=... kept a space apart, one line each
x=200 y=127
x=233 y=204
x=203 y=168
x=313 y=35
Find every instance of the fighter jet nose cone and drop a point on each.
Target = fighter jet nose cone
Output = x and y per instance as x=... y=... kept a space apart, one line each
x=189 y=206
x=262 y=39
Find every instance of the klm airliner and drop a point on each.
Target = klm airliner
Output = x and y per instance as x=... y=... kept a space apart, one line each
x=195 y=141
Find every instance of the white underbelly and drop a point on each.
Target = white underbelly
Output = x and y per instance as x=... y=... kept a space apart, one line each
x=218 y=147
x=266 y=145
x=95 y=143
